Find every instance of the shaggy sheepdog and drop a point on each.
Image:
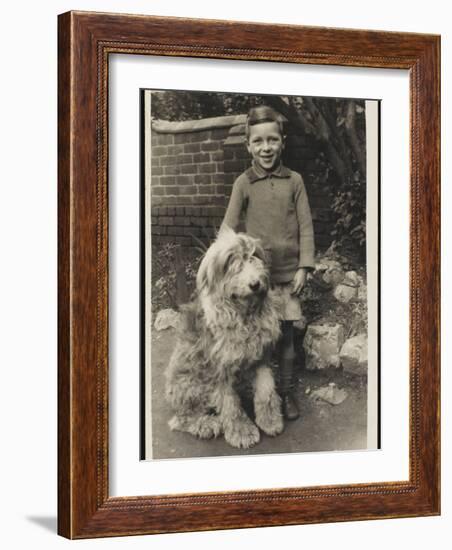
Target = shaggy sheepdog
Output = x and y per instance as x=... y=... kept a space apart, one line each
x=224 y=345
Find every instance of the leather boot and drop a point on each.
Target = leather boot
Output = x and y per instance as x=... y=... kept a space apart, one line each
x=289 y=406
x=286 y=389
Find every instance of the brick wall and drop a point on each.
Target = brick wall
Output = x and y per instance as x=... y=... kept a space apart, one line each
x=194 y=164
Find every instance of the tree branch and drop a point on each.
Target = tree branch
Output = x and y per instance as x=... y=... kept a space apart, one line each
x=297 y=118
x=339 y=162
x=350 y=127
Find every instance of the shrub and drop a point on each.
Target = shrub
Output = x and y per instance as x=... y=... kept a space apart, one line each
x=173 y=276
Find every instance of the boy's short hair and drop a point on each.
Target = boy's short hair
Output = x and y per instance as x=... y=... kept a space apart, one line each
x=260 y=114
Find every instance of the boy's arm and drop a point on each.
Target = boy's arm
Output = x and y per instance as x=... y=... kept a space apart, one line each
x=236 y=202
x=306 y=230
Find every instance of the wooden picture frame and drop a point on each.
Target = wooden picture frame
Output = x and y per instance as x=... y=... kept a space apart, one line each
x=85 y=508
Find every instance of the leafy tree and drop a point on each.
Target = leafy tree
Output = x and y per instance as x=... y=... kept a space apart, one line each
x=339 y=125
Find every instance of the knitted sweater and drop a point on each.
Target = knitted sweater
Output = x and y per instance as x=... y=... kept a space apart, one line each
x=275 y=209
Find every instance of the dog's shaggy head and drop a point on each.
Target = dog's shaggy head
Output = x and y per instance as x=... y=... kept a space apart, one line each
x=234 y=268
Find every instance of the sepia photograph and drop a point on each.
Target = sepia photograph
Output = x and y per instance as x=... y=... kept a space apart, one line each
x=259 y=274
x=248 y=274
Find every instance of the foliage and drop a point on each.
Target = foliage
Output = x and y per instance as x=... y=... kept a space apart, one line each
x=188 y=105
x=165 y=272
x=349 y=206
x=321 y=307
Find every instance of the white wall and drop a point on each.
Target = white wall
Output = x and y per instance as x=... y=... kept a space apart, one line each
x=28 y=270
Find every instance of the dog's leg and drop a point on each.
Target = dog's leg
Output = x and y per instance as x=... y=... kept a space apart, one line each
x=267 y=403
x=204 y=426
x=239 y=430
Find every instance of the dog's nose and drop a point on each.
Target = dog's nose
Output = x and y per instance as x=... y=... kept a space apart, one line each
x=255 y=286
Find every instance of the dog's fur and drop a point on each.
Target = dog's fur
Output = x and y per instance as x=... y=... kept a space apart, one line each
x=224 y=343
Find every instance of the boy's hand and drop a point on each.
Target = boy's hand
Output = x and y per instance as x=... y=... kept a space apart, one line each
x=298 y=281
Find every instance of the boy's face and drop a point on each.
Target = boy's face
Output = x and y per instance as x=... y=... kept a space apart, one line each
x=265 y=144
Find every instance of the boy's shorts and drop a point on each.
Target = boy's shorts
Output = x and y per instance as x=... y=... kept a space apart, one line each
x=290 y=304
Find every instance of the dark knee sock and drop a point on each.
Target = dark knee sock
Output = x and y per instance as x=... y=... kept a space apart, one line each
x=287 y=355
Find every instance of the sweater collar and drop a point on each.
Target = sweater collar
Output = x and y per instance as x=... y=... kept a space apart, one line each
x=255 y=172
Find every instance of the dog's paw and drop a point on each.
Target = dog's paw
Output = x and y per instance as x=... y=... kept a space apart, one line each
x=207 y=427
x=203 y=426
x=269 y=417
x=242 y=433
x=270 y=423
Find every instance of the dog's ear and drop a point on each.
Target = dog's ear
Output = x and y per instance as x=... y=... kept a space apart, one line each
x=207 y=276
x=204 y=277
x=211 y=269
x=201 y=276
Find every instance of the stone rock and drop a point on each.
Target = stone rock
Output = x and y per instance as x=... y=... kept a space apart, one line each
x=167 y=318
x=320 y=267
x=322 y=344
x=334 y=275
x=331 y=264
x=331 y=394
x=344 y=293
x=362 y=292
x=353 y=355
x=351 y=278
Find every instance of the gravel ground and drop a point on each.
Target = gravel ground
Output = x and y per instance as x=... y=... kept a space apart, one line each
x=321 y=426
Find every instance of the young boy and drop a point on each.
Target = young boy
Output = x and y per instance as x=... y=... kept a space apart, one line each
x=273 y=202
